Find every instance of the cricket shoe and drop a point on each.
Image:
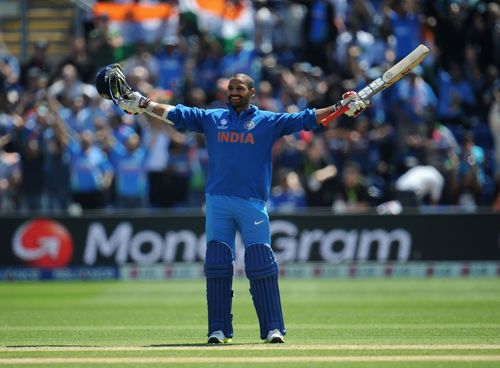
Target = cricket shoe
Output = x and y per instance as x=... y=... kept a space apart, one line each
x=217 y=337
x=274 y=337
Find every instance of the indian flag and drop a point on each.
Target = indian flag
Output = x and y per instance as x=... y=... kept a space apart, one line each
x=226 y=19
x=152 y=22
x=148 y=22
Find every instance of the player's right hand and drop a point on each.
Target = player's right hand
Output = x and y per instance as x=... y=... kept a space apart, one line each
x=134 y=103
x=356 y=104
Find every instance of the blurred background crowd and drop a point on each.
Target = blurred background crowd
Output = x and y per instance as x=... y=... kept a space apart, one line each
x=432 y=141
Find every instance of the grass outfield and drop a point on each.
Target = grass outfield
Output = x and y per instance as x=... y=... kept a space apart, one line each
x=341 y=323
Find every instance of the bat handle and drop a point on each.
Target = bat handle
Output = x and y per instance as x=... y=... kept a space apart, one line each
x=326 y=120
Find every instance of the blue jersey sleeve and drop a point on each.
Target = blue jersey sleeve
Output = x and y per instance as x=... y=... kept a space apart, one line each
x=287 y=123
x=187 y=118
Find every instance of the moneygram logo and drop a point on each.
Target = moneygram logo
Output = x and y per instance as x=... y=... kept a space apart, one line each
x=43 y=243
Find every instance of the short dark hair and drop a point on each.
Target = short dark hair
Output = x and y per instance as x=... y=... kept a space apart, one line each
x=245 y=78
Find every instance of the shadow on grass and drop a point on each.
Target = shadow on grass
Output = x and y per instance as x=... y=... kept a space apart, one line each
x=187 y=345
x=192 y=345
x=51 y=346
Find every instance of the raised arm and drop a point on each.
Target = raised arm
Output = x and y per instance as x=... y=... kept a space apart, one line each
x=60 y=127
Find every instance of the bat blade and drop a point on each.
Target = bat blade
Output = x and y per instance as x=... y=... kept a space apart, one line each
x=391 y=76
x=398 y=71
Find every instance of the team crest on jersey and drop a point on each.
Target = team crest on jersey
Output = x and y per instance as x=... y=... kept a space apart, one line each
x=249 y=125
x=222 y=124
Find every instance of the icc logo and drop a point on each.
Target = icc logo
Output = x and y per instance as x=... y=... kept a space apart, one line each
x=222 y=124
x=43 y=243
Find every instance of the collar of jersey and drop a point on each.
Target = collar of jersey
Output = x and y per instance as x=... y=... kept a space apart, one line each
x=252 y=109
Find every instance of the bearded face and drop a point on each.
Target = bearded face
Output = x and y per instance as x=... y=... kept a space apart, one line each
x=238 y=94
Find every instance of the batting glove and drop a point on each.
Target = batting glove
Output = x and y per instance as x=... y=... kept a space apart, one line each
x=134 y=103
x=356 y=104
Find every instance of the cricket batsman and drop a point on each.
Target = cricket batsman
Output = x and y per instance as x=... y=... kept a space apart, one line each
x=239 y=140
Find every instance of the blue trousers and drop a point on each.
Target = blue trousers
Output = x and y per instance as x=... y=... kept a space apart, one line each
x=227 y=214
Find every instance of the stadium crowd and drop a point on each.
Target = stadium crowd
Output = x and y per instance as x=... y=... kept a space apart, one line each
x=433 y=139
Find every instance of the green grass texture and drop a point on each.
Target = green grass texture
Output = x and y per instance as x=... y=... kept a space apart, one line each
x=330 y=322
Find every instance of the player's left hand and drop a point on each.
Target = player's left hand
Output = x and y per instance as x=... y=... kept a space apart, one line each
x=134 y=103
x=356 y=104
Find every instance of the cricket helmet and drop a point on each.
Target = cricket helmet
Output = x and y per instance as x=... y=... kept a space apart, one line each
x=111 y=84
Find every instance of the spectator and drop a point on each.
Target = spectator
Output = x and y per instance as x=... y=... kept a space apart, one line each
x=84 y=112
x=291 y=21
x=68 y=85
x=157 y=139
x=451 y=30
x=240 y=60
x=414 y=103
x=266 y=99
x=381 y=183
x=288 y=152
x=69 y=113
x=366 y=13
x=289 y=195
x=38 y=61
x=91 y=171
x=494 y=124
x=139 y=77
x=358 y=42
x=470 y=177
x=143 y=57
x=198 y=155
x=208 y=56
x=456 y=96
x=320 y=32
x=406 y=26
x=436 y=147
x=363 y=145
x=351 y=195
x=196 y=97
x=80 y=59
x=56 y=160
x=104 y=42
x=220 y=98
x=178 y=175
x=119 y=129
x=9 y=119
x=28 y=140
x=133 y=32
x=10 y=176
x=318 y=174
x=265 y=26
x=10 y=72
x=130 y=173
x=36 y=85
x=13 y=72
x=420 y=185
x=171 y=59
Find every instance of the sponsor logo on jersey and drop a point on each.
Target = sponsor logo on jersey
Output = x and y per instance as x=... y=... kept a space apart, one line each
x=235 y=137
x=43 y=243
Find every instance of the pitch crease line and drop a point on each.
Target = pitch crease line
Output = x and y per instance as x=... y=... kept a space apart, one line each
x=208 y=360
x=248 y=327
x=250 y=347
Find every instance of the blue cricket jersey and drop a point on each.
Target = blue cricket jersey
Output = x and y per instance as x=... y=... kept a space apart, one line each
x=240 y=146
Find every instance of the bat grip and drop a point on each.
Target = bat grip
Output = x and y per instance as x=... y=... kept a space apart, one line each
x=326 y=120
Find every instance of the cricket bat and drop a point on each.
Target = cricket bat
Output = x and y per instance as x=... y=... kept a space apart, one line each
x=391 y=76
